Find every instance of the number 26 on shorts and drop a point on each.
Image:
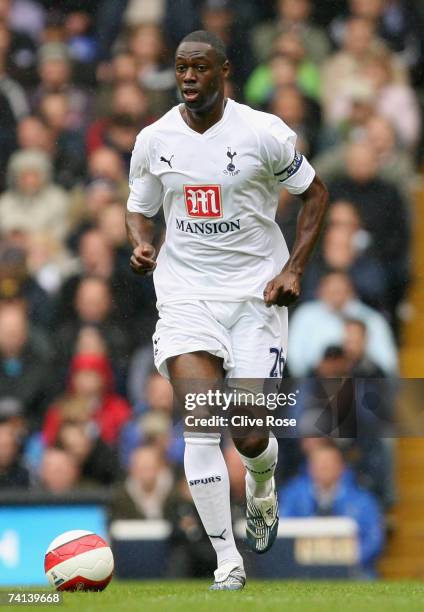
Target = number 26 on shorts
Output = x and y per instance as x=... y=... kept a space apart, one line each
x=278 y=365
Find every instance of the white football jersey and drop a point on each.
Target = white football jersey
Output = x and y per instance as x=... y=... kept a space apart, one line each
x=219 y=191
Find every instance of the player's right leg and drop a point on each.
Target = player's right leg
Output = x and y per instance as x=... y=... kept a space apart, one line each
x=262 y=520
x=258 y=339
x=205 y=468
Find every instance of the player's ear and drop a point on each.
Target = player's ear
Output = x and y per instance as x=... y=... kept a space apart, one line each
x=226 y=68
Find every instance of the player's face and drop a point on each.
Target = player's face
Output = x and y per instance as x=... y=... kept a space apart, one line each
x=200 y=75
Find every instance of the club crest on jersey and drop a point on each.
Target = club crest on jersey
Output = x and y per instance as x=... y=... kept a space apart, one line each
x=231 y=168
x=203 y=201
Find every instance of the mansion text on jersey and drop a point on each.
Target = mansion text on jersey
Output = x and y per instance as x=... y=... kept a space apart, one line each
x=207 y=227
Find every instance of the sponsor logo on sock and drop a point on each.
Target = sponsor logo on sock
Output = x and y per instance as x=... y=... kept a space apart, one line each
x=207 y=480
x=220 y=536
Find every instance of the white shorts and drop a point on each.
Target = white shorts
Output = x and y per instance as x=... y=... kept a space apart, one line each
x=249 y=337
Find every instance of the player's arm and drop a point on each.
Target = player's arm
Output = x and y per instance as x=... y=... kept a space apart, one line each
x=284 y=289
x=144 y=201
x=140 y=231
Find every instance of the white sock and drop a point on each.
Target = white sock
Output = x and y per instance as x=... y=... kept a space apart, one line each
x=260 y=469
x=207 y=476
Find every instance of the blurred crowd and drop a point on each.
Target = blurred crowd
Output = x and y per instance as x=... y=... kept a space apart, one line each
x=80 y=403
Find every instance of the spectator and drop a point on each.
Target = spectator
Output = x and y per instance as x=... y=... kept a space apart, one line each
x=59 y=472
x=292 y=16
x=96 y=258
x=343 y=215
x=25 y=371
x=17 y=49
x=301 y=114
x=264 y=78
x=34 y=133
x=323 y=491
x=396 y=101
x=394 y=162
x=342 y=251
x=120 y=134
x=154 y=69
x=7 y=136
x=12 y=471
x=91 y=341
x=128 y=101
x=383 y=213
x=131 y=298
x=9 y=87
x=152 y=423
x=372 y=454
x=144 y=11
x=336 y=301
x=94 y=308
x=111 y=222
x=48 y=262
x=370 y=10
x=140 y=367
x=13 y=102
x=357 y=412
x=91 y=379
x=86 y=206
x=121 y=70
x=17 y=282
x=54 y=66
x=32 y=202
x=342 y=72
x=55 y=110
x=12 y=412
x=355 y=348
x=146 y=488
x=397 y=22
x=98 y=463
x=327 y=404
x=106 y=163
x=218 y=16
x=180 y=19
x=108 y=23
x=154 y=393
x=82 y=45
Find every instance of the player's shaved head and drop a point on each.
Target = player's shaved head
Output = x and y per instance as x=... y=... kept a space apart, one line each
x=208 y=38
x=201 y=68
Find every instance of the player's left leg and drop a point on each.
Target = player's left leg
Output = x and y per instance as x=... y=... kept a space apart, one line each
x=259 y=456
x=259 y=338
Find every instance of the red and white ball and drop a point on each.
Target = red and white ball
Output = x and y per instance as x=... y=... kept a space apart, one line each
x=79 y=561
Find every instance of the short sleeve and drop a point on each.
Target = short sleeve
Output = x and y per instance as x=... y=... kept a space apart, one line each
x=290 y=168
x=146 y=190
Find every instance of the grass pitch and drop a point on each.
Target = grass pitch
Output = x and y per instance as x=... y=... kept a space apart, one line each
x=258 y=596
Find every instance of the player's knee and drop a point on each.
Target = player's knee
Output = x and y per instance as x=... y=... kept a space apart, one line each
x=251 y=446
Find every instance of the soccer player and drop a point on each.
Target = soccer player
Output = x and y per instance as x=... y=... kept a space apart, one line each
x=224 y=276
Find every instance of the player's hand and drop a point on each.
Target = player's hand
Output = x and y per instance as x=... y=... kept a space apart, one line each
x=283 y=290
x=143 y=259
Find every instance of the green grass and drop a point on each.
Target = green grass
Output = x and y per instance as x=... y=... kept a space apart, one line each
x=258 y=596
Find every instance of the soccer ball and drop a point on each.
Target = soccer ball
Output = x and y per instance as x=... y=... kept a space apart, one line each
x=79 y=561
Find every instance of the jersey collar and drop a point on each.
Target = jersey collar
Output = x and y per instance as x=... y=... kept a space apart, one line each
x=214 y=128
